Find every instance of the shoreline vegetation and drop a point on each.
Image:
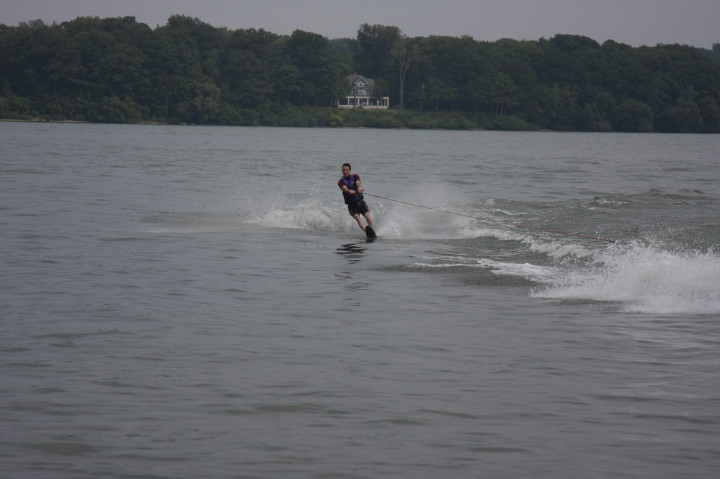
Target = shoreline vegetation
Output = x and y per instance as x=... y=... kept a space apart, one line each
x=187 y=72
x=327 y=117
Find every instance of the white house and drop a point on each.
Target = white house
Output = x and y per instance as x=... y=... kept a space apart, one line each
x=362 y=94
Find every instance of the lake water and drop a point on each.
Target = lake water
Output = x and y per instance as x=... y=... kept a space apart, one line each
x=185 y=302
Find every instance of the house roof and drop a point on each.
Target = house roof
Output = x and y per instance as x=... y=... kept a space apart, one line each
x=352 y=79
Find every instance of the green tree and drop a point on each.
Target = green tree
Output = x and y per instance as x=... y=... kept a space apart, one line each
x=632 y=116
x=185 y=68
x=596 y=115
x=115 y=110
x=374 y=54
x=252 y=69
x=503 y=92
x=684 y=117
x=404 y=52
x=116 y=69
x=319 y=66
x=710 y=113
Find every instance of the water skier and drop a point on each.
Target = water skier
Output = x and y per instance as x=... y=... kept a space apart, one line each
x=352 y=189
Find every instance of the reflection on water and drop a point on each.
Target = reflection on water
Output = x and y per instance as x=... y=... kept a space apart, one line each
x=352 y=252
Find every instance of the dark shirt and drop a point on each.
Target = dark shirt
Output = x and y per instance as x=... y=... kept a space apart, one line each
x=351 y=183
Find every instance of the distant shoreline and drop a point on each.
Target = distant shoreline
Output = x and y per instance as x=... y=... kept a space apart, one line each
x=399 y=127
x=40 y=120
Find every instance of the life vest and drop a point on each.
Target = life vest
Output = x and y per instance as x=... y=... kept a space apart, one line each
x=351 y=183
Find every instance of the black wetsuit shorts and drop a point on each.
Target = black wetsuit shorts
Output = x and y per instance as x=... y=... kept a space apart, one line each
x=358 y=208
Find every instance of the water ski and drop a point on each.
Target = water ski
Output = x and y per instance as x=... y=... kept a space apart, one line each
x=370 y=233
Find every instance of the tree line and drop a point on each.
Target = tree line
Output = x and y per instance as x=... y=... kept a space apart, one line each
x=187 y=71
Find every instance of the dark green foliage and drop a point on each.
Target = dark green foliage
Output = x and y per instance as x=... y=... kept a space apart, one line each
x=632 y=116
x=317 y=79
x=119 y=70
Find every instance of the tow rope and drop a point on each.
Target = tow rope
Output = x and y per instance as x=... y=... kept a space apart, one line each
x=479 y=218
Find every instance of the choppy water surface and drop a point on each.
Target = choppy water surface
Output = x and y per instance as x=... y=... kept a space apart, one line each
x=182 y=302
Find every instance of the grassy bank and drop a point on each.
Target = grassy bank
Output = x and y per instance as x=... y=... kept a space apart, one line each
x=291 y=116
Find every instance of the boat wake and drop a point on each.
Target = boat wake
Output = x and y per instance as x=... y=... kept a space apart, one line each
x=642 y=278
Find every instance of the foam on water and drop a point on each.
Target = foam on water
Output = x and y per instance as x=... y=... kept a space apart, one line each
x=645 y=279
x=557 y=249
x=528 y=271
x=640 y=277
x=394 y=222
x=401 y=223
x=311 y=215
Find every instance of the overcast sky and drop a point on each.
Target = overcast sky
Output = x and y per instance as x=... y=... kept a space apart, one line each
x=635 y=22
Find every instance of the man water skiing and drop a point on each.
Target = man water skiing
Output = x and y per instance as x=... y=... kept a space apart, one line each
x=352 y=189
